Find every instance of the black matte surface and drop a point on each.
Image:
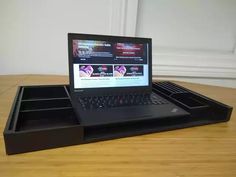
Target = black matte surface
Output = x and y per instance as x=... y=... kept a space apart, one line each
x=42 y=117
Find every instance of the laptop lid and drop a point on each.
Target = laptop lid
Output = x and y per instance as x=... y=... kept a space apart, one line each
x=101 y=64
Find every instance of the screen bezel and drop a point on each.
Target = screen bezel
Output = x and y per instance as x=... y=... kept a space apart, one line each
x=98 y=91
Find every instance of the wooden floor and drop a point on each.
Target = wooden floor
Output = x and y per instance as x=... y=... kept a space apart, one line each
x=200 y=151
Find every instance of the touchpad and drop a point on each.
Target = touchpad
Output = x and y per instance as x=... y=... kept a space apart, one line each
x=134 y=113
x=127 y=114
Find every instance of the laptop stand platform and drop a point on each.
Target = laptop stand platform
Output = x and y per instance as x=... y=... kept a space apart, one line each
x=42 y=117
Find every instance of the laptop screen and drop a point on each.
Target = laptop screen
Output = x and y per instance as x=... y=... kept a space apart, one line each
x=109 y=63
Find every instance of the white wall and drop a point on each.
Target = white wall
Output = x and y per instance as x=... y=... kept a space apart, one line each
x=33 y=34
x=208 y=25
x=192 y=40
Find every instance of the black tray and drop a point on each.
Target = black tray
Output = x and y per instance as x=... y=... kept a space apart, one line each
x=42 y=117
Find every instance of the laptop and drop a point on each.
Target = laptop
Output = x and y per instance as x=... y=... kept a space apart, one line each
x=111 y=80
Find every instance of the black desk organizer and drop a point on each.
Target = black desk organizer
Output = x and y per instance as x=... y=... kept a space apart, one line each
x=42 y=117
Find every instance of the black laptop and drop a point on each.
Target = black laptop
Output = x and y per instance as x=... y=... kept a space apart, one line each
x=111 y=80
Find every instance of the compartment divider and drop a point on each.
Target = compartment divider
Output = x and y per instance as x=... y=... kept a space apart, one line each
x=47 y=109
x=162 y=91
x=178 y=89
x=17 y=110
x=172 y=88
x=10 y=121
x=171 y=91
x=45 y=99
x=166 y=86
x=67 y=92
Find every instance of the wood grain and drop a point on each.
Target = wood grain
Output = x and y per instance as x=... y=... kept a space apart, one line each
x=200 y=151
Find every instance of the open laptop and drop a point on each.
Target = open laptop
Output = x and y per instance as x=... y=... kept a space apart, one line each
x=111 y=80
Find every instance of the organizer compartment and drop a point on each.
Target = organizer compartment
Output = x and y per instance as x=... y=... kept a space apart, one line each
x=45 y=104
x=189 y=100
x=42 y=92
x=103 y=132
x=44 y=107
x=32 y=120
x=42 y=117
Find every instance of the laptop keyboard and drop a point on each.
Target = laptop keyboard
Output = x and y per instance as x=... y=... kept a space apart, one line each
x=110 y=101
